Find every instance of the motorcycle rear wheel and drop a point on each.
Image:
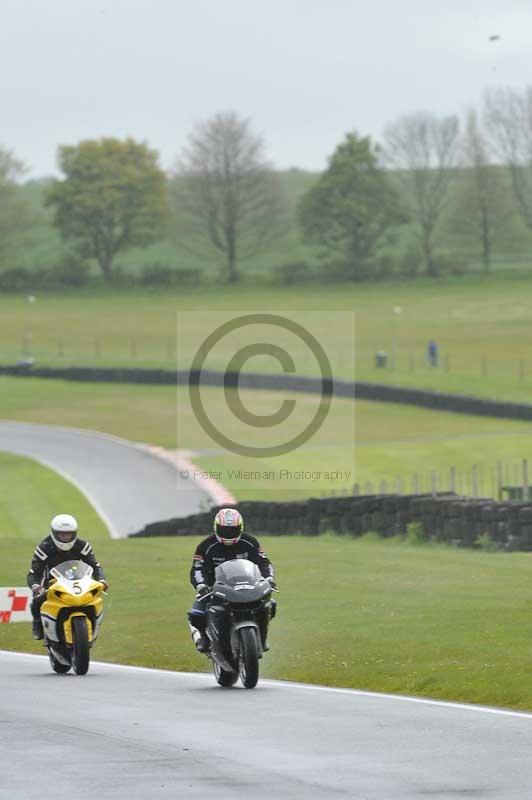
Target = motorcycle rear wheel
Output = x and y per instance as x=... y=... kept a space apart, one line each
x=224 y=677
x=80 y=646
x=249 y=657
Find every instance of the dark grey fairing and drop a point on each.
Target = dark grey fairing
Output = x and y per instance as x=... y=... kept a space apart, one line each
x=241 y=597
x=240 y=582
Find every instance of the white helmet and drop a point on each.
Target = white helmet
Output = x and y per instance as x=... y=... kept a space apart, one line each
x=64 y=531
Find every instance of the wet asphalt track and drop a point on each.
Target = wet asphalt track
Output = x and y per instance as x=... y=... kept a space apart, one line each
x=126 y=484
x=133 y=734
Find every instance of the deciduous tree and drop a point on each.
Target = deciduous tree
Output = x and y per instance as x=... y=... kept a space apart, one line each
x=482 y=205
x=508 y=120
x=425 y=151
x=14 y=211
x=112 y=197
x=351 y=206
x=228 y=198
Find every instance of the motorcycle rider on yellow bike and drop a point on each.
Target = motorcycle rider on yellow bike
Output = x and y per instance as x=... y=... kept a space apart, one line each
x=62 y=544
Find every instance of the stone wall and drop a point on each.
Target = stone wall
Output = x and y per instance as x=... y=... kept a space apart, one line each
x=445 y=518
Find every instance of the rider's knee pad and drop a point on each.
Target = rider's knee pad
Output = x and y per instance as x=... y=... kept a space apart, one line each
x=195 y=616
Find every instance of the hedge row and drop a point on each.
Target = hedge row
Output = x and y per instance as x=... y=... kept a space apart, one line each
x=445 y=518
x=368 y=391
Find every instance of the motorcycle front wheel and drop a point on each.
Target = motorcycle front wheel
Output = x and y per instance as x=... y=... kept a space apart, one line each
x=248 y=666
x=224 y=677
x=80 y=646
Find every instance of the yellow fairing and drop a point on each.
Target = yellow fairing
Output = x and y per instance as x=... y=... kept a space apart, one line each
x=67 y=626
x=57 y=599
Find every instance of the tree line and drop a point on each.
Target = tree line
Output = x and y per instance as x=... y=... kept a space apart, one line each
x=224 y=199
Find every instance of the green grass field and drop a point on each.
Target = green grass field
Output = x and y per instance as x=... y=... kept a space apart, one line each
x=390 y=441
x=482 y=326
x=429 y=621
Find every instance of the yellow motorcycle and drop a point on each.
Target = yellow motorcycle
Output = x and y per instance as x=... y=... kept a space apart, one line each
x=71 y=616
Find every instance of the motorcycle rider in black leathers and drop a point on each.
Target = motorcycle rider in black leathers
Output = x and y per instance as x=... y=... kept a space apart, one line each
x=227 y=542
x=62 y=544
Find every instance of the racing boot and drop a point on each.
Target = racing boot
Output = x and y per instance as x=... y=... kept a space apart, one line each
x=200 y=640
x=36 y=629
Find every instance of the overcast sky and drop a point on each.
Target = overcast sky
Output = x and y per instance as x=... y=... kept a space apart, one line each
x=305 y=71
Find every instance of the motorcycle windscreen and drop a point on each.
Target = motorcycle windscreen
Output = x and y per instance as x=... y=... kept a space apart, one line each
x=72 y=570
x=236 y=572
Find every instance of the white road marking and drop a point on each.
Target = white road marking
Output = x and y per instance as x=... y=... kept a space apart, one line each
x=300 y=686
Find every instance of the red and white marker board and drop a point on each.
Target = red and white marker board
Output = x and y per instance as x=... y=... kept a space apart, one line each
x=15 y=604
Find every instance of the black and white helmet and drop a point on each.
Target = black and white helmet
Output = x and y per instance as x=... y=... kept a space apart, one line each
x=64 y=531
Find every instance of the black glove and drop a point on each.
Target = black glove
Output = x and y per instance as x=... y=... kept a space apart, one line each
x=37 y=589
x=202 y=589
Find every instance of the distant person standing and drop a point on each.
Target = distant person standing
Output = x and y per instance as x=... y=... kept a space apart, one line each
x=432 y=353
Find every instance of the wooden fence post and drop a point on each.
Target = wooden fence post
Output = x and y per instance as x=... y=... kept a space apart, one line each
x=498 y=480
x=452 y=479
x=474 y=480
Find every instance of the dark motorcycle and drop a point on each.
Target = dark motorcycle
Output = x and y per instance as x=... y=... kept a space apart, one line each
x=238 y=613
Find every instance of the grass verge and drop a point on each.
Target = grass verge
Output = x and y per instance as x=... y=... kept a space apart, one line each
x=371 y=441
x=481 y=323
x=380 y=615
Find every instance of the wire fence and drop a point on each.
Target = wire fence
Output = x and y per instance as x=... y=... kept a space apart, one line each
x=129 y=349
x=499 y=482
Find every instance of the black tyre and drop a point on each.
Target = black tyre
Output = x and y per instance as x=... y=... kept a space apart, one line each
x=80 y=646
x=224 y=677
x=249 y=657
x=56 y=665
